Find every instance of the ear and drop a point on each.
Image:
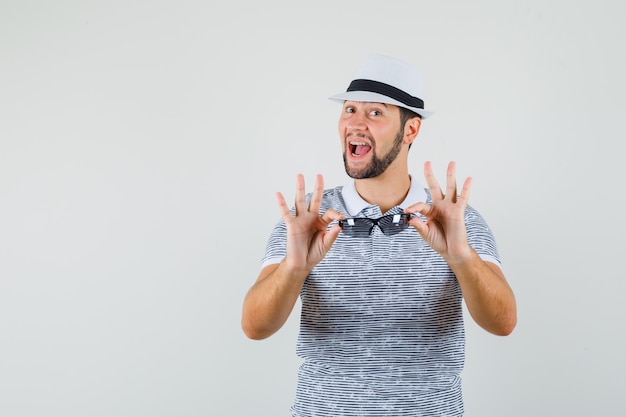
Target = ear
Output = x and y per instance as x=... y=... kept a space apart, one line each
x=411 y=129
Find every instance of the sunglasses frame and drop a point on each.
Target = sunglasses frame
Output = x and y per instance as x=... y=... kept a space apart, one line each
x=399 y=222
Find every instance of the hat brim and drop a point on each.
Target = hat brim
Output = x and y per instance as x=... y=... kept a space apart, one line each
x=368 y=96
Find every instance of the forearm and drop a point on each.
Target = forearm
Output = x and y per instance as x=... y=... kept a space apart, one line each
x=271 y=299
x=489 y=299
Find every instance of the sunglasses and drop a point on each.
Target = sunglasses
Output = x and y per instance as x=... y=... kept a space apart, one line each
x=362 y=226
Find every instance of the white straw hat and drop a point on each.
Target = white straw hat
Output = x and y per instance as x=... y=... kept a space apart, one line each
x=384 y=79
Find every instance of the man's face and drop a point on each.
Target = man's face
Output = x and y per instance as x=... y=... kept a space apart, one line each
x=371 y=137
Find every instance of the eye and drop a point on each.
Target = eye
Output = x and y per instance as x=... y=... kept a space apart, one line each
x=375 y=113
x=349 y=109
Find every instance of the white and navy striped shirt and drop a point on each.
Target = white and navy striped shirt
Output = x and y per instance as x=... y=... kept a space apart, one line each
x=381 y=330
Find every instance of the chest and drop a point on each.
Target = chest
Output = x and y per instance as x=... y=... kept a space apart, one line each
x=397 y=277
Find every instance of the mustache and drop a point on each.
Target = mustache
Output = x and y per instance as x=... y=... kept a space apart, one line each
x=360 y=135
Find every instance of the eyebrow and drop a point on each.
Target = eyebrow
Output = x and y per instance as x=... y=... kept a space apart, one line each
x=371 y=102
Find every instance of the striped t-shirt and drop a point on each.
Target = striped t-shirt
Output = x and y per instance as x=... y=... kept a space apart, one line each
x=381 y=328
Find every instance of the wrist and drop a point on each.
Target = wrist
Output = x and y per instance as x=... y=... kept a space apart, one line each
x=295 y=271
x=459 y=258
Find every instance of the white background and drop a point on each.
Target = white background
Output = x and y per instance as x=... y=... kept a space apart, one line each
x=142 y=142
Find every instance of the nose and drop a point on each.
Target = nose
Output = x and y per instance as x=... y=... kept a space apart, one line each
x=357 y=121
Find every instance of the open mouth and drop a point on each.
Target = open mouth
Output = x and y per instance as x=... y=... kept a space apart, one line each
x=358 y=149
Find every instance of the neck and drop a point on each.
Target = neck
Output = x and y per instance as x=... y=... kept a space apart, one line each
x=387 y=190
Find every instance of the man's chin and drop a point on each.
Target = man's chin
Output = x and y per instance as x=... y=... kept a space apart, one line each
x=359 y=174
x=365 y=170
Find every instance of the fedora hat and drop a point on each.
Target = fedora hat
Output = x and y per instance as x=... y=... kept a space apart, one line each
x=384 y=79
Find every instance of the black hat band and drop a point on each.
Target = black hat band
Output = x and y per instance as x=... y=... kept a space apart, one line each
x=386 y=90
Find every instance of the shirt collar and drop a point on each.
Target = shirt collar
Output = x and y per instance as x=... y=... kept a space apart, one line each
x=355 y=204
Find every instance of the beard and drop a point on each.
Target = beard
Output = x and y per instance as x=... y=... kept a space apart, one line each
x=379 y=164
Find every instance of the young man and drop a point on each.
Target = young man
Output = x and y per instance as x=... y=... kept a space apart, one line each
x=382 y=266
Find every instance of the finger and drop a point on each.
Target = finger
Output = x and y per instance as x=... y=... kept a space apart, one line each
x=282 y=206
x=451 y=182
x=420 y=225
x=433 y=185
x=331 y=235
x=300 y=194
x=420 y=207
x=330 y=215
x=318 y=193
x=465 y=191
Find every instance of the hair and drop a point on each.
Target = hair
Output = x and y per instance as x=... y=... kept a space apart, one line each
x=405 y=116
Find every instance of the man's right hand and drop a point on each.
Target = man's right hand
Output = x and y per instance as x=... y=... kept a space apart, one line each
x=308 y=236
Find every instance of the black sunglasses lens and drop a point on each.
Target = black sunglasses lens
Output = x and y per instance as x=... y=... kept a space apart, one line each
x=393 y=224
x=362 y=227
x=358 y=227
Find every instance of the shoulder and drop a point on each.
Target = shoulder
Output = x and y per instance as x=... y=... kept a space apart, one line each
x=331 y=198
